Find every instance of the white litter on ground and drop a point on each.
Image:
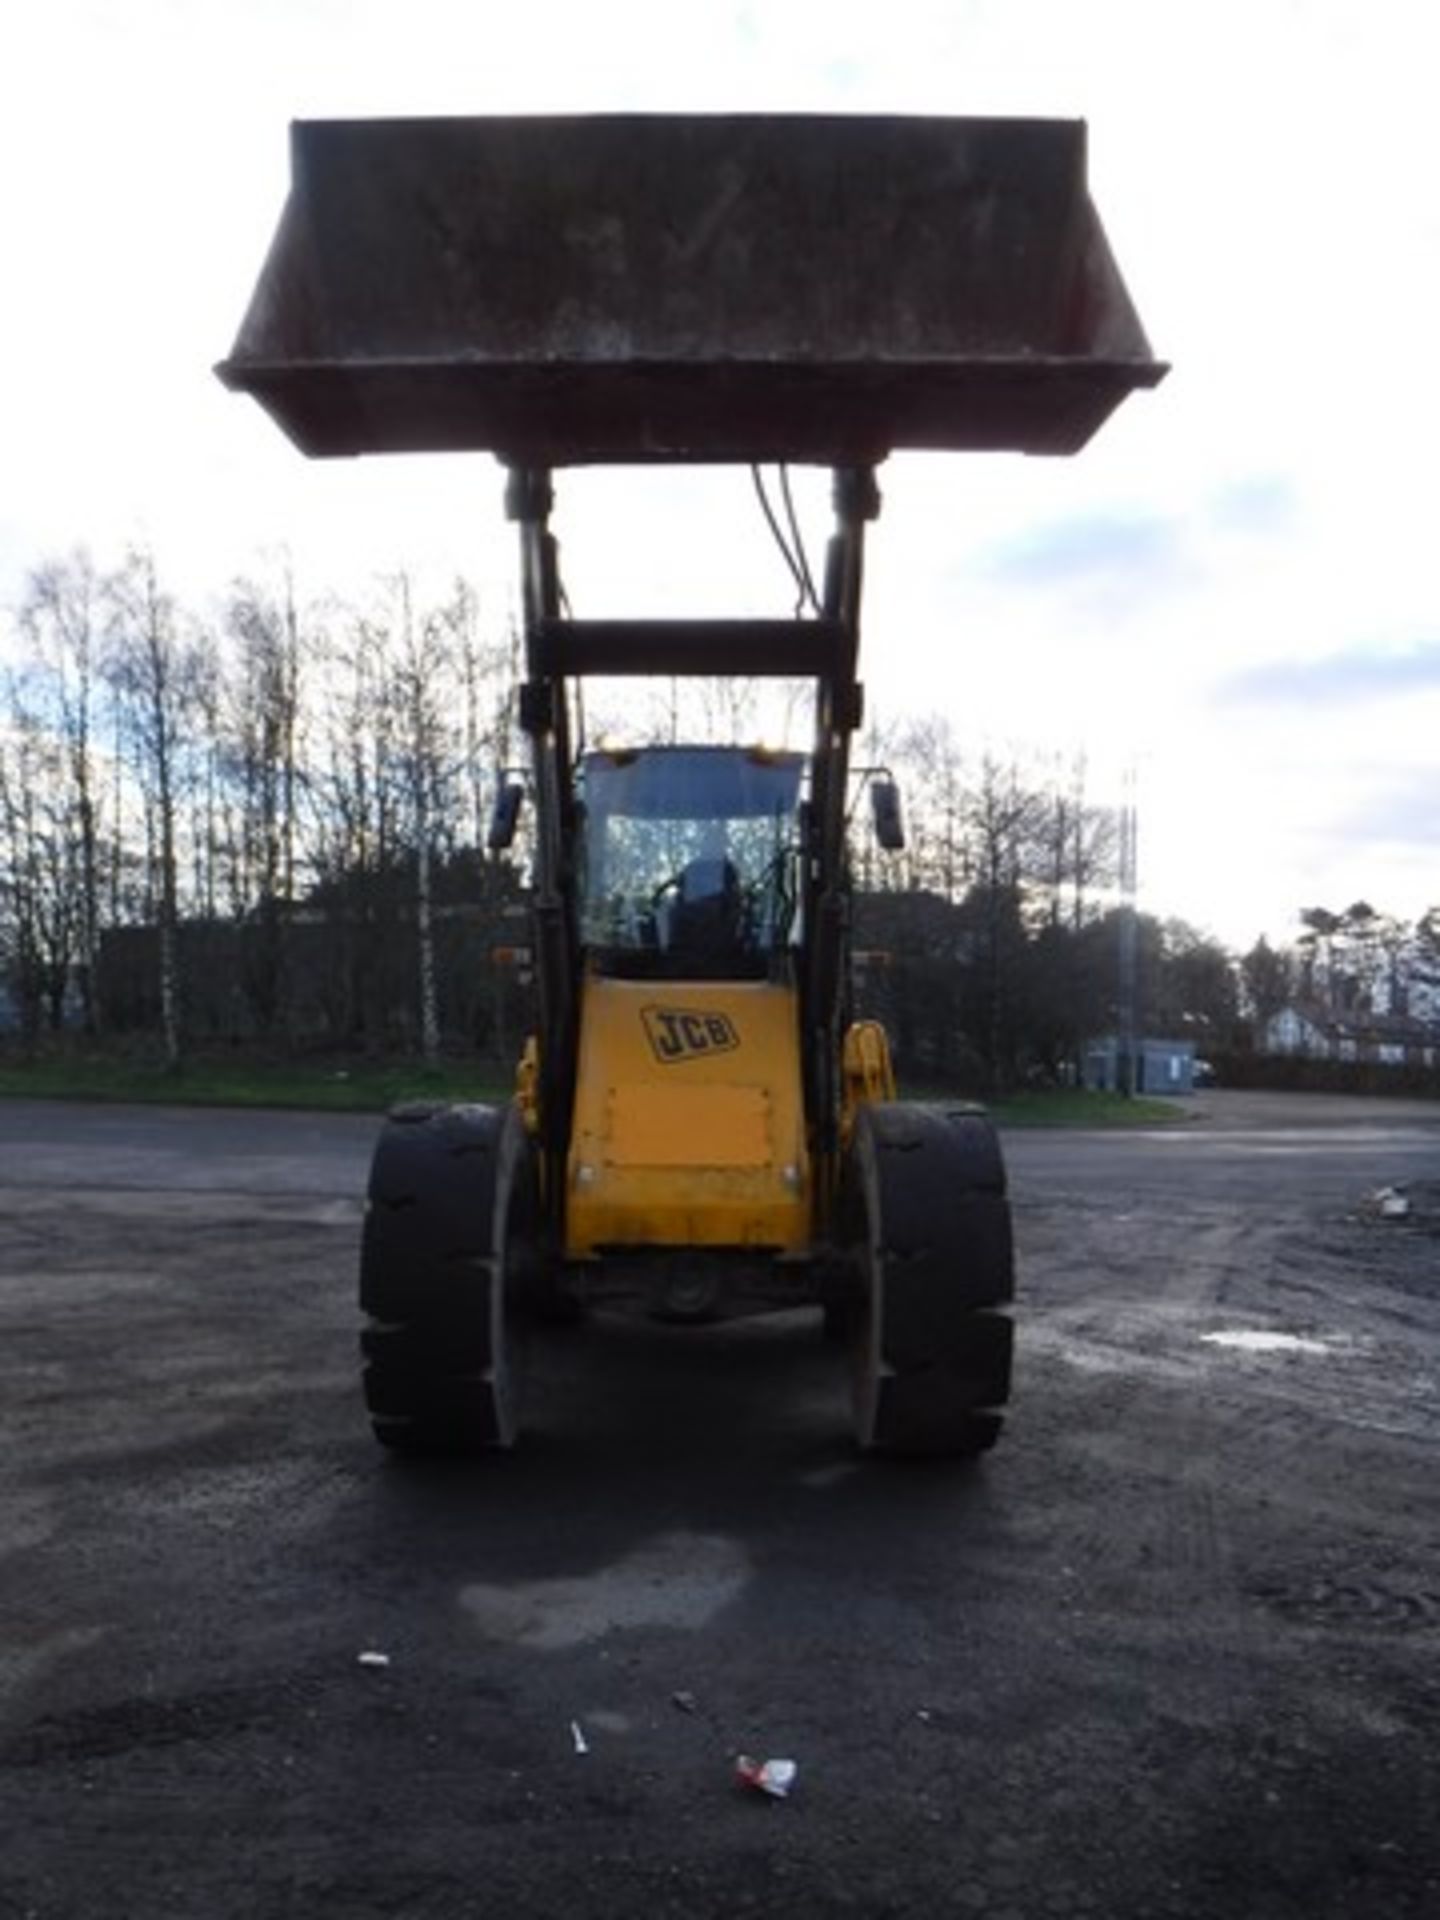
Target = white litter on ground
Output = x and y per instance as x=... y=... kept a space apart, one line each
x=1391 y=1203
x=772 y=1777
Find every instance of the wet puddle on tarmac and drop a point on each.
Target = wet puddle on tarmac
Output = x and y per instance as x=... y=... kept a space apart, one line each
x=1258 y=1340
x=678 y=1581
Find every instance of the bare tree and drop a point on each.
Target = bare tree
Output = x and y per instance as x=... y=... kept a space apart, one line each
x=938 y=854
x=261 y=733
x=39 y=891
x=155 y=669
x=351 y=804
x=487 y=670
x=60 y=618
x=1087 y=844
x=1003 y=820
x=430 y=742
x=211 y=854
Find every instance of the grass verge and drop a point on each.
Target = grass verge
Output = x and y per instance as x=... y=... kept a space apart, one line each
x=331 y=1086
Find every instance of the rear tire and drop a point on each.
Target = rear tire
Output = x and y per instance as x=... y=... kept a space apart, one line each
x=928 y=1225
x=452 y=1223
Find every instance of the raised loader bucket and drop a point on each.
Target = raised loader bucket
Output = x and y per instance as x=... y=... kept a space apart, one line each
x=626 y=288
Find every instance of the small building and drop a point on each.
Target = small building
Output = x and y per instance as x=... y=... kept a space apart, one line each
x=1296 y=1030
x=1161 y=1066
x=1377 y=1039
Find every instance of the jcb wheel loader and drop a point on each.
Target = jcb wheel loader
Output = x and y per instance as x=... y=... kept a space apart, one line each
x=699 y=1129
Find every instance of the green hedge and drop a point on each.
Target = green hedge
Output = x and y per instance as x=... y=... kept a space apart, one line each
x=1296 y=1073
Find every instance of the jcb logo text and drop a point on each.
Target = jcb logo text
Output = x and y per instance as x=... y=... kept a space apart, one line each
x=675 y=1034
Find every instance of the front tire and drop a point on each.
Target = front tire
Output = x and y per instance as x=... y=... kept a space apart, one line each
x=453 y=1214
x=928 y=1223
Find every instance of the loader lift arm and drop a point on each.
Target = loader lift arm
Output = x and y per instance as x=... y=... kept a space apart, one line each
x=557 y=649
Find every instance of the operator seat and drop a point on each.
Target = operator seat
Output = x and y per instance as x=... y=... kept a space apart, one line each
x=707 y=918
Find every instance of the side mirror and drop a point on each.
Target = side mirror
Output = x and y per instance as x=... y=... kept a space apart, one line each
x=885 y=811
x=505 y=816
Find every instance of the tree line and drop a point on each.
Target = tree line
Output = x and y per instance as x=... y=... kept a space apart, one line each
x=225 y=825
x=999 y=935
x=265 y=824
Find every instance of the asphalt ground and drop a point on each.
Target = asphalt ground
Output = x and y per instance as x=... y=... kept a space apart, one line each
x=1169 y=1650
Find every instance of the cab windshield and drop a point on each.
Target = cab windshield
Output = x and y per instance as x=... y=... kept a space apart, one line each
x=690 y=861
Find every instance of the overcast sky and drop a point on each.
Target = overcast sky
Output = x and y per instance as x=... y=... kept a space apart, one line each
x=1236 y=583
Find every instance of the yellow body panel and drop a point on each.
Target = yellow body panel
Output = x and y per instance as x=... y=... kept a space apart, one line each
x=689 y=1126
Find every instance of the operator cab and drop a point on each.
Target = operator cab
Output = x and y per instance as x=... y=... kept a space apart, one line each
x=689 y=862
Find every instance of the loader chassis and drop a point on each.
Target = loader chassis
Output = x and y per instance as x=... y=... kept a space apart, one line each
x=699 y=1128
x=692 y=1147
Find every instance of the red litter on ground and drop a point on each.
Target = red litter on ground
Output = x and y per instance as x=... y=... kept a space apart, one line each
x=774 y=1777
